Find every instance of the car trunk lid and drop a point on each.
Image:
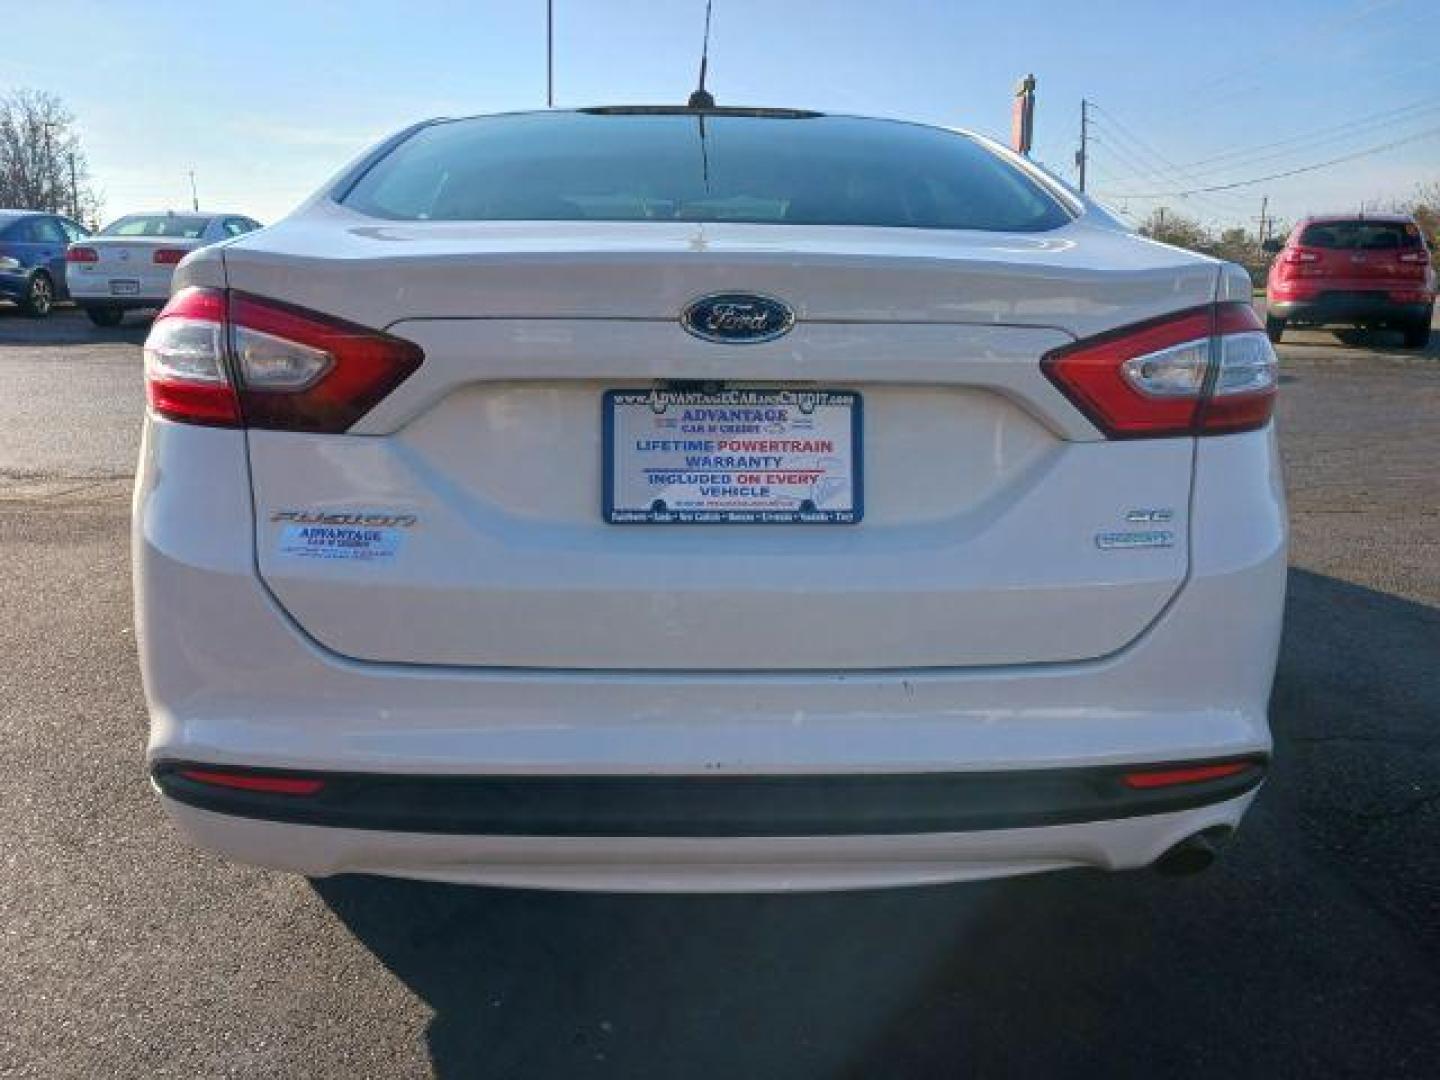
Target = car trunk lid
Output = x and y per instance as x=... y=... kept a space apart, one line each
x=998 y=527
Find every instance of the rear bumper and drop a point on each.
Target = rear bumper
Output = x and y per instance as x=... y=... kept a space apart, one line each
x=93 y=290
x=706 y=806
x=703 y=864
x=118 y=303
x=1323 y=309
x=231 y=681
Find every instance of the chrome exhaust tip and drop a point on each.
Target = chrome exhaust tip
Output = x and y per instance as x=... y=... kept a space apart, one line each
x=1194 y=853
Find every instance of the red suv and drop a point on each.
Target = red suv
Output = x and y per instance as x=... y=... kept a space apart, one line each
x=1358 y=270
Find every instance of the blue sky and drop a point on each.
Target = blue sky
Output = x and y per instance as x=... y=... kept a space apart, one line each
x=264 y=100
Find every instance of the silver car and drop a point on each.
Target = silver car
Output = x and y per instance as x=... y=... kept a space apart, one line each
x=130 y=263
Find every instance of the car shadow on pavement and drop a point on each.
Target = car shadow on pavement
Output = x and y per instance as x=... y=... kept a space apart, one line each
x=1311 y=947
x=1380 y=342
x=69 y=326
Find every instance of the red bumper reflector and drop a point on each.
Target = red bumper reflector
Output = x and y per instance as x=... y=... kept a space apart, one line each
x=278 y=785
x=1193 y=774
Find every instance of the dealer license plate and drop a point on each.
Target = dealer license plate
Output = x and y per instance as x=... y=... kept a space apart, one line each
x=732 y=457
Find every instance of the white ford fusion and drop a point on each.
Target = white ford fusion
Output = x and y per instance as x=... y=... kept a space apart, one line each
x=654 y=498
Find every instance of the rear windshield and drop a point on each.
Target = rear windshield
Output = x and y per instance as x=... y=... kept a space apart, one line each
x=175 y=226
x=799 y=169
x=1361 y=235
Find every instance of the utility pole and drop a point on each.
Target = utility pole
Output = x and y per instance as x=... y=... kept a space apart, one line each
x=1082 y=155
x=48 y=191
x=1264 y=218
x=194 y=198
x=74 y=190
x=549 y=54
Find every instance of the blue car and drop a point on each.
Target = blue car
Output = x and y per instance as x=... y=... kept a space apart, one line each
x=32 y=258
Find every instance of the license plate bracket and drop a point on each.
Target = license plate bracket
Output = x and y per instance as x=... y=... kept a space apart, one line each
x=734 y=456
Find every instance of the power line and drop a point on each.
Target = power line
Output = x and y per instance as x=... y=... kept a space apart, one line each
x=1142 y=149
x=1352 y=59
x=1222 y=205
x=1326 y=141
x=1288 y=172
x=1359 y=86
x=1377 y=118
x=1131 y=158
x=1195 y=97
x=1200 y=185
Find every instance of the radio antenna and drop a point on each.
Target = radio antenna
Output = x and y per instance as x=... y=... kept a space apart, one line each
x=702 y=98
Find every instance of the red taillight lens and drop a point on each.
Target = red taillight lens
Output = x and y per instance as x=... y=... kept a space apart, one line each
x=82 y=255
x=1204 y=371
x=168 y=256
x=248 y=781
x=300 y=371
x=1302 y=262
x=1146 y=779
x=185 y=376
x=230 y=359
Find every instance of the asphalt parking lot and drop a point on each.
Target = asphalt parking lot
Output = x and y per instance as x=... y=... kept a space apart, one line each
x=1312 y=948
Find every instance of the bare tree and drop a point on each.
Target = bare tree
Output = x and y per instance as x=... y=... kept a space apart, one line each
x=1236 y=245
x=1168 y=227
x=1424 y=207
x=42 y=166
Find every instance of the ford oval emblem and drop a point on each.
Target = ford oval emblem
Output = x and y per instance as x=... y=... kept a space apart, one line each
x=737 y=318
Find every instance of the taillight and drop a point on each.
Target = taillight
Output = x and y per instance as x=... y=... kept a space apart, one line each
x=247 y=780
x=168 y=256
x=1299 y=262
x=235 y=360
x=301 y=371
x=185 y=376
x=1205 y=371
x=82 y=255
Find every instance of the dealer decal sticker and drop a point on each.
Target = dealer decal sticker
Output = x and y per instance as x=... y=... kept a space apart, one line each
x=354 y=542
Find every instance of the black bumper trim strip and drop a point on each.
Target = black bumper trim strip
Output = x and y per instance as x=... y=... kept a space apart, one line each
x=706 y=805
